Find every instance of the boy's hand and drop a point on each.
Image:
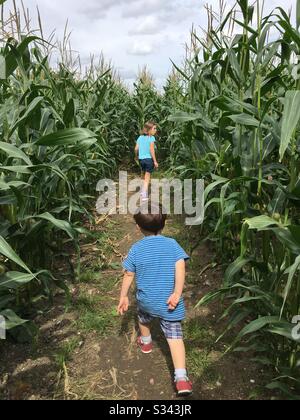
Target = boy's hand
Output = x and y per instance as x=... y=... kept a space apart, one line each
x=156 y=165
x=123 y=305
x=173 y=301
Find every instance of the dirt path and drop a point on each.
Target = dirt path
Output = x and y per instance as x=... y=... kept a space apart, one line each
x=87 y=352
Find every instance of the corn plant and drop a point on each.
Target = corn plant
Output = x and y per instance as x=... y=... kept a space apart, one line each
x=238 y=127
x=59 y=133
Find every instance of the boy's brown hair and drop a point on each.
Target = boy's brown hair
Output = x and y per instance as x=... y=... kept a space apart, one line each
x=150 y=217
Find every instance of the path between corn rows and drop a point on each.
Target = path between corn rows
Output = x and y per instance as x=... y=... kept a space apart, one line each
x=87 y=352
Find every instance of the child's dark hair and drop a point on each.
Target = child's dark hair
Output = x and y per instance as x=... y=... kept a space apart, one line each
x=147 y=127
x=150 y=217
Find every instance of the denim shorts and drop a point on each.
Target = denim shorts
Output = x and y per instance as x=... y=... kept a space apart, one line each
x=171 y=329
x=147 y=165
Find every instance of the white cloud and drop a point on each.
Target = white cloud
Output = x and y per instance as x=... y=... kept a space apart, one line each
x=93 y=14
x=95 y=9
x=148 y=26
x=140 y=48
x=146 y=7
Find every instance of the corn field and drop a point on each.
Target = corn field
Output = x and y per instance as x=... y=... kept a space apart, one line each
x=230 y=114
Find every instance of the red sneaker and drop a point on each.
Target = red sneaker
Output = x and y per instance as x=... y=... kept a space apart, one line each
x=146 y=348
x=184 y=387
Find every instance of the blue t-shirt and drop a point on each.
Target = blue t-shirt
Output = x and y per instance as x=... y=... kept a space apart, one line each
x=144 y=143
x=153 y=260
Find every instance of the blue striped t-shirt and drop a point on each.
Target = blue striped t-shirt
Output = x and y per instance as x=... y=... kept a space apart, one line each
x=153 y=260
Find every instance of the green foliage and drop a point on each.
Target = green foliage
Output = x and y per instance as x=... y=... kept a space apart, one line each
x=236 y=125
x=58 y=136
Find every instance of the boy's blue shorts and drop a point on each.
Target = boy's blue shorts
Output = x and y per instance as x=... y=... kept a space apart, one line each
x=147 y=165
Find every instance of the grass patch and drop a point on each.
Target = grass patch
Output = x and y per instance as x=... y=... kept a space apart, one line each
x=104 y=282
x=64 y=353
x=200 y=340
x=94 y=316
x=198 y=361
x=197 y=333
x=108 y=283
x=90 y=303
x=89 y=276
x=102 y=322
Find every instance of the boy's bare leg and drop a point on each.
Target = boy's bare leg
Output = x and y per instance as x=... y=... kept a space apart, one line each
x=178 y=353
x=145 y=330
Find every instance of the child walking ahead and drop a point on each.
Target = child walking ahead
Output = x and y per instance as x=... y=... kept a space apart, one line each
x=145 y=152
x=158 y=263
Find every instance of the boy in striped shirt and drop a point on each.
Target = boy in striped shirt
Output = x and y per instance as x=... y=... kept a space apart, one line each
x=158 y=263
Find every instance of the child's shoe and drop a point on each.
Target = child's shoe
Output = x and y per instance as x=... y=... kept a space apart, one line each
x=146 y=348
x=184 y=387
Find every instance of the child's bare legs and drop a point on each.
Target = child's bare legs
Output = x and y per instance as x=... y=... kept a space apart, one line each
x=146 y=182
x=178 y=353
x=145 y=330
x=144 y=341
x=183 y=384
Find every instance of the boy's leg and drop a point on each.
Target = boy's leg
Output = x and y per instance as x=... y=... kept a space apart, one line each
x=173 y=333
x=177 y=349
x=174 y=336
x=144 y=330
x=145 y=339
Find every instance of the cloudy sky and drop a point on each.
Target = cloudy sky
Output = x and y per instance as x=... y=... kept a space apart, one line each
x=131 y=33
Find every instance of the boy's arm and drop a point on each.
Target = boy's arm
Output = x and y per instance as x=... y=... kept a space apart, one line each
x=127 y=281
x=124 y=301
x=179 y=284
x=152 y=151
